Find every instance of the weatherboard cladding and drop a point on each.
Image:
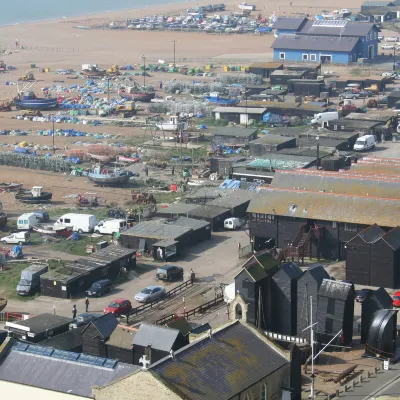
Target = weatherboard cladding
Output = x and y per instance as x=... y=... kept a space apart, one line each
x=221 y=367
x=327 y=207
x=315 y=43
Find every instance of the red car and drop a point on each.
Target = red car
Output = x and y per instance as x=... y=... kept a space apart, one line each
x=118 y=307
x=396 y=299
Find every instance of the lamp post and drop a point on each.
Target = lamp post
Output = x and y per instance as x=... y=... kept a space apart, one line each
x=394 y=59
x=54 y=148
x=174 y=42
x=247 y=115
x=317 y=139
x=143 y=57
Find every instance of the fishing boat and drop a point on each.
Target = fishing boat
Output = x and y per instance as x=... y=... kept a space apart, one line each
x=173 y=124
x=106 y=177
x=53 y=230
x=125 y=159
x=100 y=157
x=92 y=71
x=27 y=100
x=138 y=96
x=34 y=196
x=3 y=303
x=10 y=187
x=221 y=101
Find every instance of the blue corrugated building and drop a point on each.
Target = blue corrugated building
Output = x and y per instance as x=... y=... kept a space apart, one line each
x=325 y=41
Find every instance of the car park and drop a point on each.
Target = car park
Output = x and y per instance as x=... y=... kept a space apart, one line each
x=99 y=288
x=83 y=319
x=169 y=273
x=118 y=307
x=363 y=294
x=149 y=294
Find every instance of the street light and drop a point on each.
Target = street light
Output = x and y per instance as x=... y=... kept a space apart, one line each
x=174 y=42
x=143 y=57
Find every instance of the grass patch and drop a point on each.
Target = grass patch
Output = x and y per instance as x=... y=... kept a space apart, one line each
x=99 y=212
x=76 y=247
x=166 y=197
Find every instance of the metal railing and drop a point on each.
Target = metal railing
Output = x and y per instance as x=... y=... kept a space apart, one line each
x=246 y=251
x=6 y=316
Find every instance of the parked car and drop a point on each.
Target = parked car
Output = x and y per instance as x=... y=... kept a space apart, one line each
x=82 y=319
x=392 y=39
x=16 y=238
x=363 y=294
x=169 y=273
x=388 y=75
x=150 y=293
x=381 y=37
x=350 y=95
x=385 y=46
x=99 y=288
x=42 y=216
x=396 y=299
x=118 y=307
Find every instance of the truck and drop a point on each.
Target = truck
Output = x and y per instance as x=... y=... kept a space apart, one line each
x=16 y=238
x=110 y=227
x=320 y=118
x=79 y=222
x=27 y=221
x=29 y=282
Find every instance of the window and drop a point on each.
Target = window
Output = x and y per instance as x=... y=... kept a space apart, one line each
x=350 y=227
x=67 y=221
x=375 y=35
x=304 y=57
x=313 y=57
x=331 y=306
x=264 y=392
x=238 y=311
x=270 y=219
x=342 y=127
x=328 y=325
x=281 y=56
x=334 y=224
x=335 y=127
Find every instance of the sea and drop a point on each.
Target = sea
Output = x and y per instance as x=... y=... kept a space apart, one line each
x=21 y=11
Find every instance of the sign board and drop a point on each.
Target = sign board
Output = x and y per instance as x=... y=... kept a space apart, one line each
x=63 y=288
x=386 y=364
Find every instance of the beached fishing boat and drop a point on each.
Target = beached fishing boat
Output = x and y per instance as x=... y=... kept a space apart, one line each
x=34 y=196
x=106 y=177
x=125 y=159
x=173 y=124
x=100 y=157
x=29 y=101
x=138 y=96
x=53 y=230
x=3 y=303
x=10 y=187
x=93 y=71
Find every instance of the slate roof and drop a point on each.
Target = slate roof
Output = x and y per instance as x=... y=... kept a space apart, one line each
x=182 y=325
x=392 y=238
x=335 y=289
x=382 y=298
x=291 y=269
x=122 y=336
x=235 y=132
x=336 y=182
x=354 y=29
x=289 y=23
x=158 y=337
x=221 y=367
x=60 y=375
x=315 y=43
x=371 y=234
x=40 y=323
x=105 y=325
x=65 y=341
x=327 y=206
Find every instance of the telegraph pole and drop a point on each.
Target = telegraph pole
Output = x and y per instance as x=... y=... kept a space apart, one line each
x=174 y=42
x=143 y=57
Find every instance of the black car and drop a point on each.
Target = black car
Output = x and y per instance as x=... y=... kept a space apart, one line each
x=42 y=216
x=99 y=288
x=363 y=294
x=169 y=273
x=83 y=319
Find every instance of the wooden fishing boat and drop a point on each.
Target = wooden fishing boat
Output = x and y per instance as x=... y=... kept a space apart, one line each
x=132 y=160
x=34 y=196
x=144 y=97
x=109 y=179
x=9 y=187
x=99 y=157
x=53 y=230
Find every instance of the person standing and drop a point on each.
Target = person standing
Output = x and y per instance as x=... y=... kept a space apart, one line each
x=74 y=311
x=87 y=304
x=146 y=170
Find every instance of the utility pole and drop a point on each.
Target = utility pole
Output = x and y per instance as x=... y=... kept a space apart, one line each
x=317 y=139
x=54 y=148
x=174 y=42
x=108 y=88
x=312 y=350
x=394 y=59
x=143 y=57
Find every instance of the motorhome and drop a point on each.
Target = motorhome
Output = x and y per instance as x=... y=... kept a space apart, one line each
x=27 y=221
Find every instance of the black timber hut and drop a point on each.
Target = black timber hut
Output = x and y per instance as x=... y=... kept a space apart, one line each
x=335 y=311
x=308 y=285
x=119 y=345
x=381 y=341
x=393 y=98
x=284 y=295
x=253 y=283
x=234 y=136
x=156 y=342
x=270 y=143
x=68 y=341
x=373 y=257
x=378 y=300
x=264 y=68
x=96 y=333
x=3 y=336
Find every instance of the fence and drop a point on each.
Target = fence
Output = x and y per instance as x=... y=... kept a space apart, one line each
x=246 y=251
x=12 y=316
x=219 y=298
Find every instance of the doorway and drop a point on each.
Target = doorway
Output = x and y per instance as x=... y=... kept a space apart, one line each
x=371 y=52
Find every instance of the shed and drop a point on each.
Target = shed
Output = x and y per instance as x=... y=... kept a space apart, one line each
x=239 y=115
x=378 y=300
x=308 y=285
x=284 y=295
x=200 y=229
x=39 y=327
x=393 y=98
x=335 y=311
x=270 y=143
x=68 y=341
x=96 y=333
x=281 y=77
x=234 y=136
x=174 y=210
x=348 y=125
x=307 y=87
x=182 y=325
x=62 y=282
x=156 y=342
x=312 y=69
x=213 y=214
x=119 y=345
x=264 y=68
x=236 y=201
x=223 y=165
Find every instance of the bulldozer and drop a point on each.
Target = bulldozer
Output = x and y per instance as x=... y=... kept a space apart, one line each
x=28 y=77
x=113 y=70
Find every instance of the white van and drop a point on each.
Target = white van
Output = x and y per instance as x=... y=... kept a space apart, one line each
x=320 y=118
x=110 y=227
x=232 y=223
x=16 y=238
x=364 y=143
x=79 y=222
x=27 y=221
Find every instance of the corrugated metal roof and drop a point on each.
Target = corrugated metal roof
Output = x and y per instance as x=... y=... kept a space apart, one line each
x=59 y=375
x=293 y=23
x=336 y=182
x=236 y=132
x=158 y=337
x=220 y=367
x=239 y=110
x=335 y=289
x=327 y=207
x=315 y=43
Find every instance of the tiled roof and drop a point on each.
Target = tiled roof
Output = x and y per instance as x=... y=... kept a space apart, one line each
x=220 y=367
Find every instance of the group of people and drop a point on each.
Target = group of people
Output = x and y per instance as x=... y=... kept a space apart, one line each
x=75 y=311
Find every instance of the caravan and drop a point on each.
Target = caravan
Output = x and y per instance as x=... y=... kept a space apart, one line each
x=27 y=221
x=79 y=222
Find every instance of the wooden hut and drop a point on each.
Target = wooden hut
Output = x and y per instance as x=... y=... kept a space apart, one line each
x=119 y=345
x=284 y=294
x=308 y=285
x=335 y=311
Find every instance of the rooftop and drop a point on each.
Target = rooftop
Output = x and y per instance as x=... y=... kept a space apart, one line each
x=292 y=23
x=176 y=208
x=209 y=211
x=157 y=230
x=239 y=110
x=157 y=337
x=237 y=132
x=40 y=323
x=105 y=325
x=341 y=27
x=335 y=289
x=272 y=139
x=286 y=72
x=122 y=336
x=267 y=65
x=354 y=124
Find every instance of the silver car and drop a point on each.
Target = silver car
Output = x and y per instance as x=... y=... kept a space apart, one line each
x=149 y=294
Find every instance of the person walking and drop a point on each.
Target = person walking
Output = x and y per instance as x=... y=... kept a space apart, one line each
x=146 y=170
x=87 y=304
x=161 y=85
x=74 y=311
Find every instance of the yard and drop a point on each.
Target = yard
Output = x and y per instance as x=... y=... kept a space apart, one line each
x=9 y=280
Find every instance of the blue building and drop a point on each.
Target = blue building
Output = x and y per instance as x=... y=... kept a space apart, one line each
x=287 y=25
x=326 y=41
